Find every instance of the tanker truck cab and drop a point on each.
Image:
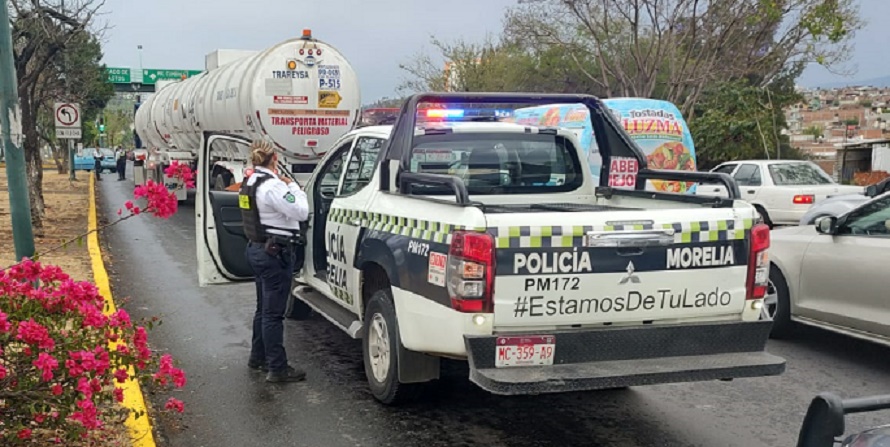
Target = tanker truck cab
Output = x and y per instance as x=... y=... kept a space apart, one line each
x=492 y=242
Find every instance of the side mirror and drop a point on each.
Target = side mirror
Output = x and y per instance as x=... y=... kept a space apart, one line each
x=826 y=225
x=871 y=191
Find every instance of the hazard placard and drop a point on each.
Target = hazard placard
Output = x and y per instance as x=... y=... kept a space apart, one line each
x=67 y=117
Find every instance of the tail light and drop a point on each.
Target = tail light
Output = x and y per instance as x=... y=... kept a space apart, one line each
x=804 y=199
x=470 y=271
x=758 y=263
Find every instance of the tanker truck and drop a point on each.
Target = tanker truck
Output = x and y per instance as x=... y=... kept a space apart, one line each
x=301 y=95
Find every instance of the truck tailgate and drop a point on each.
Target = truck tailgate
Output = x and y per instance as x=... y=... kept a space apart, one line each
x=595 y=268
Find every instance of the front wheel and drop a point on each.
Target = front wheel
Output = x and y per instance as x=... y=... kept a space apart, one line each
x=380 y=346
x=777 y=304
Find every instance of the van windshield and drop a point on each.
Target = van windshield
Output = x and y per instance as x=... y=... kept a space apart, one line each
x=499 y=163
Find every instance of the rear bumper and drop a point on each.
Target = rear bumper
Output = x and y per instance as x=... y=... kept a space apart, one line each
x=648 y=355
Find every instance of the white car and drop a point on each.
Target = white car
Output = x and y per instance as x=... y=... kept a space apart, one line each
x=834 y=274
x=781 y=190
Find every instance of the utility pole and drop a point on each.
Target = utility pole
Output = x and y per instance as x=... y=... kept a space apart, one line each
x=71 y=175
x=11 y=129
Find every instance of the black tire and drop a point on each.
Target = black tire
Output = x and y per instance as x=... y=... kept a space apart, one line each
x=388 y=390
x=765 y=216
x=782 y=324
x=297 y=309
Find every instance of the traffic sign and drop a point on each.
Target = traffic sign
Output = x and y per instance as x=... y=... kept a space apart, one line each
x=152 y=76
x=118 y=75
x=67 y=117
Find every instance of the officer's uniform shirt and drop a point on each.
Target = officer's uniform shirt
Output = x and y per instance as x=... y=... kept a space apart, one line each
x=120 y=153
x=280 y=205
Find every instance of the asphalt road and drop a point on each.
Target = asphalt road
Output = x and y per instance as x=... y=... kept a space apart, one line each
x=208 y=332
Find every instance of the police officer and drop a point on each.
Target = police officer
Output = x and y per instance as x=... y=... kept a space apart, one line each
x=272 y=208
x=120 y=156
x=97 y=163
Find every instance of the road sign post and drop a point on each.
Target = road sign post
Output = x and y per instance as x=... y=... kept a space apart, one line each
x=11 y=130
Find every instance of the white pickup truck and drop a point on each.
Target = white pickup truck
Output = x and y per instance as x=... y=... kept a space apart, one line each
x=490 y=242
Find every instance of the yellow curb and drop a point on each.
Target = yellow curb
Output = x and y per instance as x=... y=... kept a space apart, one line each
x=140 y=429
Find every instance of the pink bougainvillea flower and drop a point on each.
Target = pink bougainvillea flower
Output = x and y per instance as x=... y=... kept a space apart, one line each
x=3 y=372
x=57 y=390
x=25 y=433
x=121 y=375
x=128 y=204
x=34 y=333
x=119 y=394
x=5 y=325
x=47 y=364
x=120 y=319
x=175 y=404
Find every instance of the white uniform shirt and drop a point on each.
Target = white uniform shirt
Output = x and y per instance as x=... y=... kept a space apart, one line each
x=280 y=205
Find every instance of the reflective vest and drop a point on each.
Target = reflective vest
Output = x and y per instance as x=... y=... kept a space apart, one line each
x=250 y=212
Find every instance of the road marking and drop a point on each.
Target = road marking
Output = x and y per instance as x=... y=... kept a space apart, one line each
x=140 y=429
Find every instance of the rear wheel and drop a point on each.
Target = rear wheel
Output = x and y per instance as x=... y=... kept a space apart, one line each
x=380 y=349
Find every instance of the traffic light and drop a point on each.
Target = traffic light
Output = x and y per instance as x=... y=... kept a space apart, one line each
x=101 y=125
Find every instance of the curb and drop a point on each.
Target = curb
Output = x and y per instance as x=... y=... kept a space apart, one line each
x=140 y=429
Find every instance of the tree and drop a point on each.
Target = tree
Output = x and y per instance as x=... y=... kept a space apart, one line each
x=815 y=130
x=737 y=120
x=56 y=54
x=494 y=67
x=676 y=49
x=117 y=126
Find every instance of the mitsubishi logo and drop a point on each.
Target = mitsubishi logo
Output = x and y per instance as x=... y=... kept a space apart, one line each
x=630 y=275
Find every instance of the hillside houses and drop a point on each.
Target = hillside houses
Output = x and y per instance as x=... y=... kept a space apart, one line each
x=828 y=120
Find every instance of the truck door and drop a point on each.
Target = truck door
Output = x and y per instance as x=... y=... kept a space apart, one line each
x=219 y=232
x=344 y=226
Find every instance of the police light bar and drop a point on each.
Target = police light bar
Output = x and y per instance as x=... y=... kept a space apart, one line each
x=444 y=113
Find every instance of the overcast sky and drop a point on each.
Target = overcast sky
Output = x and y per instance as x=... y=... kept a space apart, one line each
x=375 y=35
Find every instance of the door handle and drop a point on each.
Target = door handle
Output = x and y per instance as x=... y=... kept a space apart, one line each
x=633 y=238
x=751 y=191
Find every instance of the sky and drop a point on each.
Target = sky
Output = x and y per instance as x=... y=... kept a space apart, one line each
x=374 y=35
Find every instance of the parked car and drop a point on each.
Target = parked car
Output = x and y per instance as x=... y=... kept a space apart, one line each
x=108 y=162
x=781 y=190
x=837 y=205
x=833 y=275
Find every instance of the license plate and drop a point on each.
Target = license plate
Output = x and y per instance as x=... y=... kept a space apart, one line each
x=525 y=351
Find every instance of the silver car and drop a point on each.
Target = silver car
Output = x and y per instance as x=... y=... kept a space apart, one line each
x=833 y=275
x=838 y=205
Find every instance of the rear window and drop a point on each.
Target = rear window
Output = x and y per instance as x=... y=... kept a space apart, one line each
x=794 y=174
x=499 y=163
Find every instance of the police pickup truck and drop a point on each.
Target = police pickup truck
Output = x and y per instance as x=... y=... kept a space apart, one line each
x=489 y=242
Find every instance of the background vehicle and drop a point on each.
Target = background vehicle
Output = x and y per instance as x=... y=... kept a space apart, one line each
x=301 y=94
x=430 y=240
x=656 y=126
x=824 y=422
x=108 y=163
x=838 y=205
x=781 y=190
x=834 y=275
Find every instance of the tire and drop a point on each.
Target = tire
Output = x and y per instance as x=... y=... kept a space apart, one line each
x=380 y=321
x=765 y=216
x=297 y=309
x=782 y=324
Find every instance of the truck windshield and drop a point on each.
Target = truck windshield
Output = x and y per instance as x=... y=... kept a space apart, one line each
x=499 y=163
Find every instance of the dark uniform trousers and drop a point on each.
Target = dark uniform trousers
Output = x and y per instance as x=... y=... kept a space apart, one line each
x=274 y=276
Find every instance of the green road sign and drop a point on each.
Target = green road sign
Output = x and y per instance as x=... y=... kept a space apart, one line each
x=117 y=75
x=150 y=76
